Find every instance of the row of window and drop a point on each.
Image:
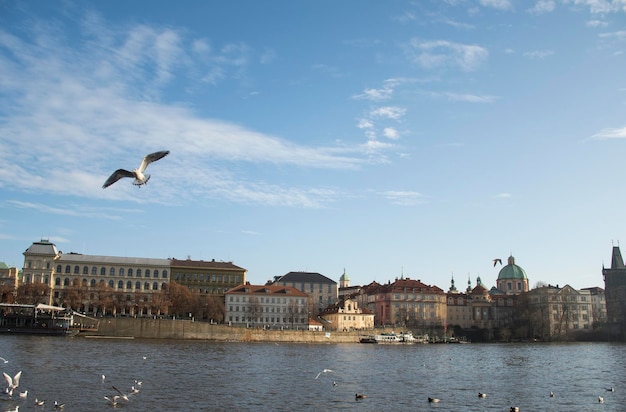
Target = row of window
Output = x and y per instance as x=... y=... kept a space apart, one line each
x=254 y=299
x=112 y=271
x=202 y=277
x=268 y=319
x=267 y=309
x=302 y=287
x=120 y=284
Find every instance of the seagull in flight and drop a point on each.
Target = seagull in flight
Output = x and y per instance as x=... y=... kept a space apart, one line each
x=496 y=261
x=138 y=174
x=3 y=360
x=12 y=382
x=324 y=371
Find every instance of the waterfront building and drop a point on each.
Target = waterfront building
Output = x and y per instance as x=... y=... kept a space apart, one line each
x=207 y=277
x=555 y=313
x=8 y=276
x=347 y=315
x=268 y=306
x=615 y=293
x=407 y=302
x=512 y=279
x=322 y=290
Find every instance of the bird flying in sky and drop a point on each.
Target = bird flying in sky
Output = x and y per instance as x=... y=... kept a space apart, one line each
x=496 y=261
x=138 y=174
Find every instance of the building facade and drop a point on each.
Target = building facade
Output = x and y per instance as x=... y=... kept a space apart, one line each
x=8 y=275
x=267 y=306
x=615 y=293
x=407 y=302
x=323 y=291
x=347 y=315
x=207 y=277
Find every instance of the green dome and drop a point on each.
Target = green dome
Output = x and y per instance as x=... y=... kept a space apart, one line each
x=512 y=271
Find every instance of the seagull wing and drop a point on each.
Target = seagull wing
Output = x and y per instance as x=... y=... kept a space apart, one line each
x=152 y=157
x=8 y=379
x=16 y=379
x=117 y=175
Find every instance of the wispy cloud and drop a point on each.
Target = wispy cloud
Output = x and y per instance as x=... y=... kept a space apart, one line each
x=605 y=134
x=543 y=6
x=538 y=54
x=96 y=104
x=73 y=210
x=404 y=198
x=497 y=4
x=465 y=97
x=442 y=53
x=600 y=6
x=503 y=196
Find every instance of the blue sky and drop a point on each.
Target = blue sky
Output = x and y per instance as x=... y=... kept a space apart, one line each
x=418 y=138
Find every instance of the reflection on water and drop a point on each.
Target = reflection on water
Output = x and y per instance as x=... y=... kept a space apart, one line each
x=204 y=376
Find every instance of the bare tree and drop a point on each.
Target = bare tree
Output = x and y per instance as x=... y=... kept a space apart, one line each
x=33 y=293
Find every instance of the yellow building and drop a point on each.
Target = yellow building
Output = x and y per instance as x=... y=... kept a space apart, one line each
x=346 y=315
x=207 y=277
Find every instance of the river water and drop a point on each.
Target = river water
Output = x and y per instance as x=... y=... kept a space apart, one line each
x=210 y=376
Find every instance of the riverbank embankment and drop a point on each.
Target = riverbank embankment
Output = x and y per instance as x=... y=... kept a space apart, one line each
x=147 y=328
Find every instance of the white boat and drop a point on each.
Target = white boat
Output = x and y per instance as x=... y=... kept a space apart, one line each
x=393 y=338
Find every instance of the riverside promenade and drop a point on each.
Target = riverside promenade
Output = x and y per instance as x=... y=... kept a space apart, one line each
x=148 y=328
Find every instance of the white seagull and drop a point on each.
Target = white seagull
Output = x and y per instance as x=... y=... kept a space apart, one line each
x=24 y=395
x=13 y=382
x=138 y=174
x=39 y=402
x=3 y=360
x=324 y=371
x=122 y=395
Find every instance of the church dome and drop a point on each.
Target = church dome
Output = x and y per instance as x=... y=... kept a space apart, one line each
x=512 y=271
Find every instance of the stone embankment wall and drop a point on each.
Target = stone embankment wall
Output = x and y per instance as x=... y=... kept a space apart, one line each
x=147 y=328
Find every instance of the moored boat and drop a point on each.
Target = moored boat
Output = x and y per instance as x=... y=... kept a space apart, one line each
x=35 y=320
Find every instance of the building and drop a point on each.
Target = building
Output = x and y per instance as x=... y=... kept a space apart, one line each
x=207 y=277
x=322 y=290
x=512 y=279
x=555 y=313
x=407 y=302
x=615 y=293
x=8 y=276
x=347 y=315
x=267 y=306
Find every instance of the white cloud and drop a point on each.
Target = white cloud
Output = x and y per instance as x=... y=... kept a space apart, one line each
x=497 y=4
x=464 y=97
x=538 y=54
x=388 y=112
x=503 y=196
x=442 y=53
x=596 y=23
x=600 y=6
x=97 y=104
x=605 y=134
x=404 y=198
x=391 y=133
x=543 y=6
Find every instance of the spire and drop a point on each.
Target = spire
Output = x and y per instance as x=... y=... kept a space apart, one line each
x=478 y=281
x=452 y=287
x=511 y=260
x=616 y=261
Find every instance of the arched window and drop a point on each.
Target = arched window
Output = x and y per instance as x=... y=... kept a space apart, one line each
x=85 y=270
x=92 y=283
x=46 y=279
x=76 y=270
x=59 y=268
x=138 y=285
x=129 y=284
x=147 y=274
x=103 y=271
x=94 y=270
x=155 y=286
x=138 y=273
x=68 y=269
x=163 y=285
x=146 y=286
x=85 y=282
x=130 y=272
x=57 y=281
x=111 y=284
x=66 y=282
x=121 y=272
x=120 y=284
x=164 y=274
x=112 y=271
x=155 y=274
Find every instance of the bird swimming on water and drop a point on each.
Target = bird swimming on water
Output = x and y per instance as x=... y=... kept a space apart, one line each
x=433 y=400
x=138 y=174
x=482 y=395
x=359 y=396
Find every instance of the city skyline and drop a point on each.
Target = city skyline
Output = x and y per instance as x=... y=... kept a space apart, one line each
x=407 y=139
